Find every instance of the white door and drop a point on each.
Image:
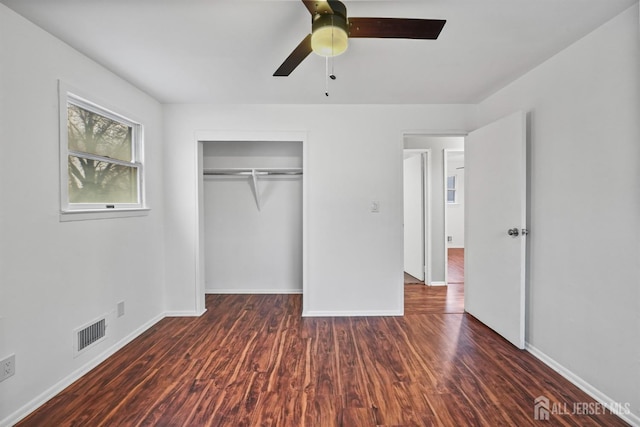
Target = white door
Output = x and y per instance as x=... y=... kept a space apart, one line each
x=495 y=185
x=414 y=217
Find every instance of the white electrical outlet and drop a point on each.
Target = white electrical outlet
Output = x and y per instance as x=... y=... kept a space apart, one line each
x=7 y=367
x=121 y=309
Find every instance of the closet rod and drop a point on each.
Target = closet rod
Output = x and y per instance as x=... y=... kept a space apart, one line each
x=256 y=171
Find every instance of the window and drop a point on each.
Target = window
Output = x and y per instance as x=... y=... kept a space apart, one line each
x=101 y=162
x=451 y=189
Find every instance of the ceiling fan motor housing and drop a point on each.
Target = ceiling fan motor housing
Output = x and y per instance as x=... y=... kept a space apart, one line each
x=330 y=31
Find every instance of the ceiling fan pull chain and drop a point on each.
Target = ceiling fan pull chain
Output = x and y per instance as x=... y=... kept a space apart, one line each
x=326 y=62
x=326 y=76
x=332 y=76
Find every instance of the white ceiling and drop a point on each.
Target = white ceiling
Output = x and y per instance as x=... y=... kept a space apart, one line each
x=225 y=51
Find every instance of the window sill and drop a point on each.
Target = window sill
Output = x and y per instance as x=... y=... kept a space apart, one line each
x=89 y=214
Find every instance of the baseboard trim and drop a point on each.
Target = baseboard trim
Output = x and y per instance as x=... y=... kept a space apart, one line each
x=252 y=291
x=185 y=313
x=316 y=313
x=583 y=385
x=437 y=283
x=43 y=397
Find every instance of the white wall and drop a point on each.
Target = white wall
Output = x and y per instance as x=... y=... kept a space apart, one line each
x=354 y=157
x=57 y=276
x=583 y=293
x=455 y=211
x=250 y=249
x=437 y=144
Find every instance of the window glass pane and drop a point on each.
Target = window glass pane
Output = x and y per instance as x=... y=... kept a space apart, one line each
x=93 y=181
x=451 y=182
x=451 y=196
x=93 y=133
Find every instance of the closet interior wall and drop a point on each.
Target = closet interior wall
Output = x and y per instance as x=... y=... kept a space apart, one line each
x=253 y=233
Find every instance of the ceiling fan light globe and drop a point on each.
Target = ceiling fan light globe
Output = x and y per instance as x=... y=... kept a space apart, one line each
x=329 y=41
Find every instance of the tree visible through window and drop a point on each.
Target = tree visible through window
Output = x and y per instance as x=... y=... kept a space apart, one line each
x=103 y=167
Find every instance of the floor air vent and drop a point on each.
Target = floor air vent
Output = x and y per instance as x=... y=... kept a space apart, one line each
x=90 y=335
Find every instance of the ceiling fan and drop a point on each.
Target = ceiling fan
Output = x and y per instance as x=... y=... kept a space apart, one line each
x=331 y=29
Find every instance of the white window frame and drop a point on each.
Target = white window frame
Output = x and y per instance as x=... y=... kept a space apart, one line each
x=81 y=211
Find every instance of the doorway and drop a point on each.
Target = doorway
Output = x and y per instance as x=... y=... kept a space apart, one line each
x=454 y=178
x=252 y=200
x=434 y=186
x=427 y=162
x=495 y=226
x=213 y=136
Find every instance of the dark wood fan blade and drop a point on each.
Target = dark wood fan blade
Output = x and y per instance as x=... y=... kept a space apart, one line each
x=318 y=6
x=297 y=56
x=395 y=28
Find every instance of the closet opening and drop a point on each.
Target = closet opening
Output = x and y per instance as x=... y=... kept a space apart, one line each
x=252 y=194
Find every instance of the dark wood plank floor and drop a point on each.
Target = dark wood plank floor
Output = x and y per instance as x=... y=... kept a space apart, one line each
x=421 y=299
x=252 y=360
x=455 y=265
x=455 y=268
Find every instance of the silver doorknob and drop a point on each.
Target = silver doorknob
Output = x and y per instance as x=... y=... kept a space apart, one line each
x=513 y=232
